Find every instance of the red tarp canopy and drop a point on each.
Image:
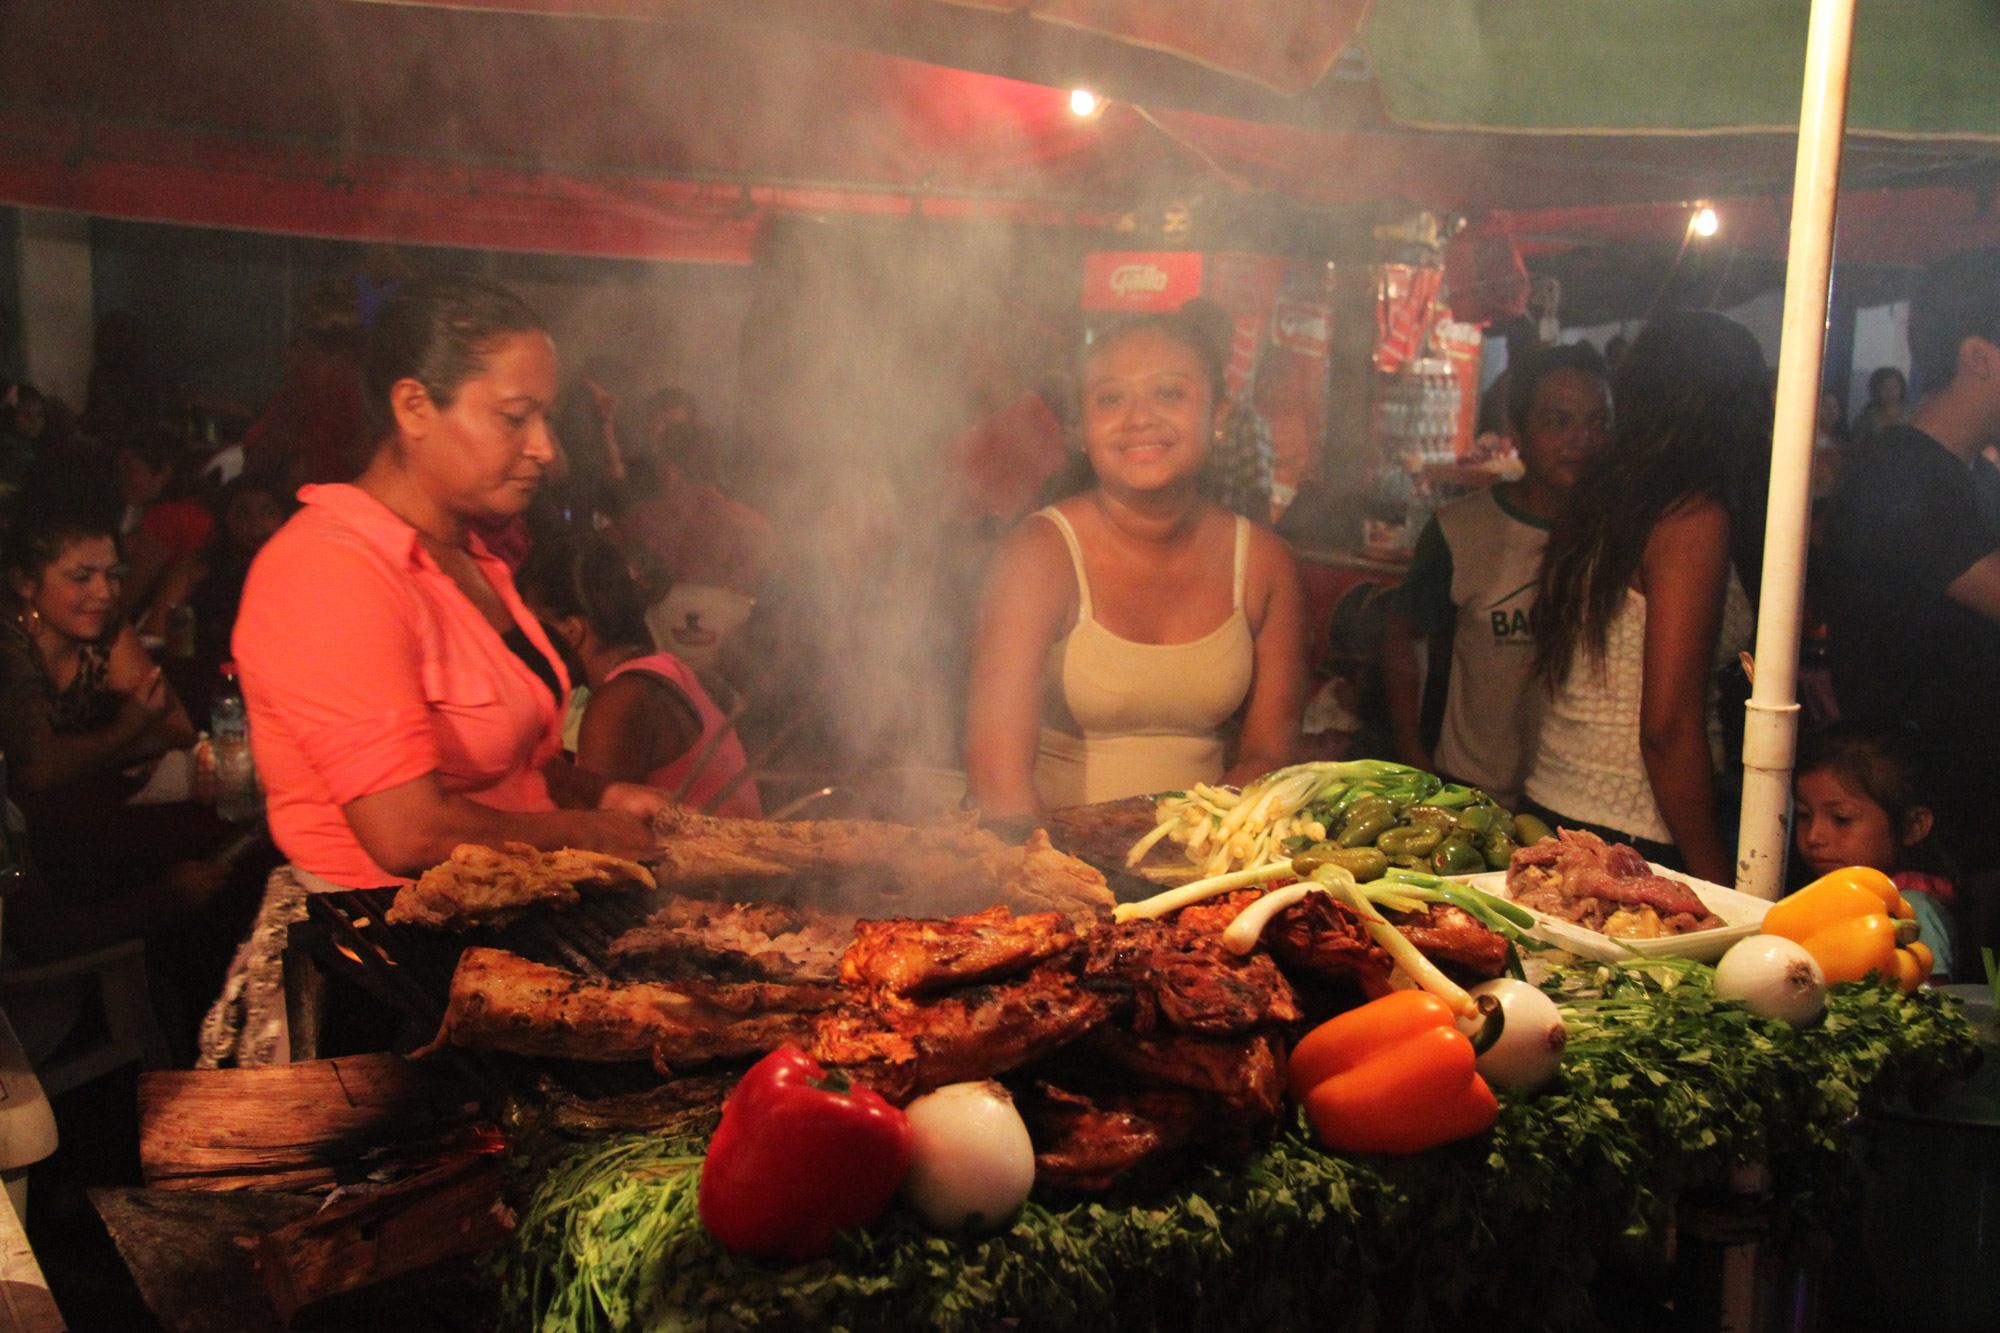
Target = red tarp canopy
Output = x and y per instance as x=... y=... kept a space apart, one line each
x=669 y=128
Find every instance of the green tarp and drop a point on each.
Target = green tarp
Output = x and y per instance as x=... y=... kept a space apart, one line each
x=1921 y=67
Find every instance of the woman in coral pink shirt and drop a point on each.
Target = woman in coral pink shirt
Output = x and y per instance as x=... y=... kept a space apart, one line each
x=402 y=700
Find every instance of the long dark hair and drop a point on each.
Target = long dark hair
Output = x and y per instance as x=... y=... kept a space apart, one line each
x=438 y=332
x=584 y=574
x=1692 y=411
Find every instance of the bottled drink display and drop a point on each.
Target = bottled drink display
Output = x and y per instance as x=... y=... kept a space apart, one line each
x=236 y=795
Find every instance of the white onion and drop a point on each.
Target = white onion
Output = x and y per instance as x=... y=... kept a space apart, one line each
x=971 y=1164
x=1532 y=1043
x=1774 y=978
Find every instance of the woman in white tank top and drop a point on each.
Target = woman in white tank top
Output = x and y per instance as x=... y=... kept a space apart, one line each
x=1126 y=628
x=1640 y=599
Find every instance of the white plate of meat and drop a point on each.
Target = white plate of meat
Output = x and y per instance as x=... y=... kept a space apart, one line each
x=1606 y=902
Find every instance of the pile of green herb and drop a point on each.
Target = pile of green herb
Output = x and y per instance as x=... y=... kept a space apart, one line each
x=1664 y=1090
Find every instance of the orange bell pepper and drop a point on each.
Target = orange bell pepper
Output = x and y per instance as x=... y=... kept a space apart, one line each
x=1848 y=921
x=1394 y=1076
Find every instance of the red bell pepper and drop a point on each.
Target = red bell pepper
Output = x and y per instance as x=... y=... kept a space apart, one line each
x=800 y=1155
x=1394 y=1076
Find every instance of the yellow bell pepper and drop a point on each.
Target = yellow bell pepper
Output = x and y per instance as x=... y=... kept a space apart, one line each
x=1849 y=922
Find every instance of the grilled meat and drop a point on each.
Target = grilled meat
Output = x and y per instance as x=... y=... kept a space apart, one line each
x=1328 y=939
x=1179 y=975
x=1449 y=937
x=761 y=941
x=481 y=886
x=901 y=1048
x=1085 y=1143
x=1246 y=1073
x=502 y=1002
x=1578 y=877
x=949 y=868
x=910 y=957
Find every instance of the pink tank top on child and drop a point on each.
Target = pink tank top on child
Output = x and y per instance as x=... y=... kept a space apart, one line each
x=724 y=763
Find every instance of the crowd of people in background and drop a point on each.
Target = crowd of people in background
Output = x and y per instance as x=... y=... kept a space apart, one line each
x=1142 y=626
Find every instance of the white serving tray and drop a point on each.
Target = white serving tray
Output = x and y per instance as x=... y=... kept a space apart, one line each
x=1743 y=914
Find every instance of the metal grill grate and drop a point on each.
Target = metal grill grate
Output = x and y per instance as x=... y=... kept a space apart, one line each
x=413 y=966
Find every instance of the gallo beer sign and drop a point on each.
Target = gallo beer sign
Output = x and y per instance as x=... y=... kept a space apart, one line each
x=1162 y=280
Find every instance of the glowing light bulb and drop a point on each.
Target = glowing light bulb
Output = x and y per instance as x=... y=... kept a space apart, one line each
x=1082 y=102
x=1706 y=223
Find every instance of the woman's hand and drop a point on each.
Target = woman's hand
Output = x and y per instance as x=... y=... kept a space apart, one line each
x=633 y=798
x=414 y=825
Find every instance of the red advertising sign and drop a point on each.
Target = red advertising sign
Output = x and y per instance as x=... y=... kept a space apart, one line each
x=1161 y=280
x=1303 y=327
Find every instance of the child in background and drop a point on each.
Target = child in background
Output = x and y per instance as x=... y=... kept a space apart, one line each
x=1858 y=803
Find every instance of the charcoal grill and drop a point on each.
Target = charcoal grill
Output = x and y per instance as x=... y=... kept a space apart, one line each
x=412 y=966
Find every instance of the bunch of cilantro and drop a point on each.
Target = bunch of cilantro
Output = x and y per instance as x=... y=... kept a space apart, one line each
x=1665 y=1093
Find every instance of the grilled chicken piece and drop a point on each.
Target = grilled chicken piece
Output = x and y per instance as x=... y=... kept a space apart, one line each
x=763 y=941
x=1085 y=1143
x=1247 y=1073
x=480 y=886
x=910 y=957
x=1327 y=939
x=502 y=1002
x=902 y=1049
x=1451 y=938
x=943 y=869
x=1181 y=976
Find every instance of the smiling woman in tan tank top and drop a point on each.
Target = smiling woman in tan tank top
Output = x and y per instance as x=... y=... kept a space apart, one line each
x=1125 y=628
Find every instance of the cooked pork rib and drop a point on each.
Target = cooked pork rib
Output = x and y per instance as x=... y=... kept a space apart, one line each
x=939 y=870
x=763 y=941
x=910 y=957
x=502 y=1002
x=481 y=886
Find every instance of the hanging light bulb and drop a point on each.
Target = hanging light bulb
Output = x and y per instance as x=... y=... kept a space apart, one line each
x=1083 y=102
x=1706 y=223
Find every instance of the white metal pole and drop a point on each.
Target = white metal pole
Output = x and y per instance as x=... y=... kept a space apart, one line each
x=1770 y=734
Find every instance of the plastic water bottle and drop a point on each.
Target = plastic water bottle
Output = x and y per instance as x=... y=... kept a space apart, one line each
x=236 y=794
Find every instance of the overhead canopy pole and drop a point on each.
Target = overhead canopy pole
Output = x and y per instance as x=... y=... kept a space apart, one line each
x=1770 y=733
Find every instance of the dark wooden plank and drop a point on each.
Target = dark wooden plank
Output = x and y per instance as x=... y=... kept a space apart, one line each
x=189 y=1254
x=445 y=1214
x=301 y=1126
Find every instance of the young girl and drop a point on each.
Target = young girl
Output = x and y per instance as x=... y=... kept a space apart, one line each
x=648 y=718
x=1858 y=803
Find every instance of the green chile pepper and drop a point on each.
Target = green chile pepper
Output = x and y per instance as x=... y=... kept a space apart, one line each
x=1312 y=858
x=1499 y=850
x=1431 y=816
x=1457 y=856
x=1529 y=830
x=1410 y=840
x=1408 y=862
x=1365 y=823
x=1475 y=819
x=1364 y=863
